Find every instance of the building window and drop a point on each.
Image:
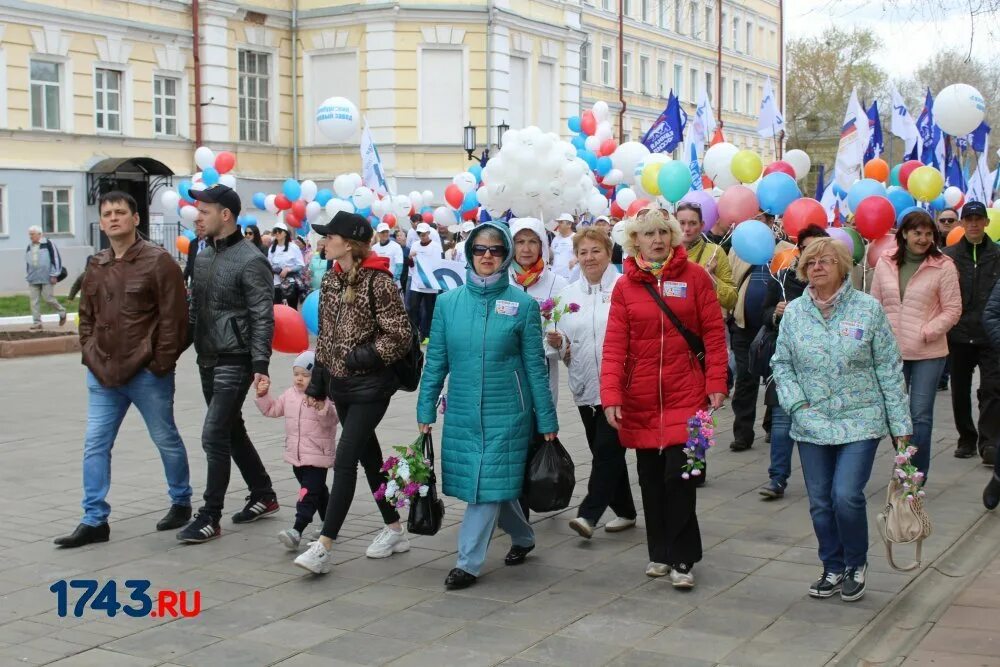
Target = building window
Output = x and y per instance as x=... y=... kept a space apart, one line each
x=585 y=62
x=693 y=18
x=661 y=78
x=644 y=8
x=56 y=214
x=678 y=80
x=442 y=103
x=644 y=75
x=627 y=70
x=708 y=83
x=771 y=45
x=254 y=94
x=108 y=100
x=709 y=25
x=3 y=210
x=722 y=34
x=749 y=98
x=724 y=102
x=606 y=65
x=748 y=42
x=627 y=7
x=736 y=95
x=693 y=86
x=606 y=4
x=662 y=13
x=46 y=81
x=736 y=33
x=678 y=22
x=165 y=105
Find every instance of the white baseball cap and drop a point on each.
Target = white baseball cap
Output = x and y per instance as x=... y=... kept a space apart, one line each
x=602 y=218
x=565 y=217
x=468 y=226
x=423 y=228
x=279 y=225
x=382 y=227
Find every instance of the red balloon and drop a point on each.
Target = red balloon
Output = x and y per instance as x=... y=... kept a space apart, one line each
x=878 y=247
x=454 y=196
x=290 y=334
x=908 y=167
x=588 y=123
x=608 y=147
x=224 y=162
x=282 y=202
x=299 y=209
x=874 y=217
x=802 y=213
x=706 y=182
x=779 y=165
x=737 y=204
x=617 y=211
x=427 y=217
x=471 y=215
x=292 y=220
x=635 y=207
x=389 y=219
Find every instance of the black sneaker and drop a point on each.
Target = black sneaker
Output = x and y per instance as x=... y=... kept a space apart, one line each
x=738 y=446
x=176 y=517
x=255 y=509
x=962 y=452
x=853 y=587
x=201 y=529
x=827 y=585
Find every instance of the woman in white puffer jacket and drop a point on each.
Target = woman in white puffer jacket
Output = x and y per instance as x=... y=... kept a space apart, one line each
x=580 y=342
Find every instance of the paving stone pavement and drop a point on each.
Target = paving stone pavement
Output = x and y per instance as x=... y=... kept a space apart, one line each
x=574 y=602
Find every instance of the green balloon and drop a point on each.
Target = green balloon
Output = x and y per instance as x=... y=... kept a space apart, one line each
x=859 y=244
x=894 y=175
x=674 y=180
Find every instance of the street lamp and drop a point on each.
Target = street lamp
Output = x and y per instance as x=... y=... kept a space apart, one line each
x=469 y=141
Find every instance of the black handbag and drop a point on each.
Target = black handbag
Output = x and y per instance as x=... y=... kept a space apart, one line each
x=426 y=512
x=408 y=369
x=761 y=350
x=693 y=340
x=551 y=478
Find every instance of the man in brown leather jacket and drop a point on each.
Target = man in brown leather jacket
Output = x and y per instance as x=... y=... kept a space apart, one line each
x=133 y=327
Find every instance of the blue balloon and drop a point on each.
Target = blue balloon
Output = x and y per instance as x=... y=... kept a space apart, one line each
x=590 y=159
x=190 y=235
x=260 y=200
x=604 y=165
x=210 y=176
x=939 y=203
x=249 y=220
x=364 y=212
x=292 y=189
x=310 y=312
x=578 y=143
x=184 y=190
x=904 y=212
x=574 y=124
x=866 y=187
x=470 y=202
x=322 y=197
x=753 y=241
x=476 y=171
x=900 y=199
x=775 y=192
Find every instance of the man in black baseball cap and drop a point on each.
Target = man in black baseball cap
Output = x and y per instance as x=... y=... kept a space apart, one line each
x=350 y=226
x=223 y=195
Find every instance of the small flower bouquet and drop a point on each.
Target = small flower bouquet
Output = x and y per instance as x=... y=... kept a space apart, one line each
x=701 y=436
x=407 y=476
x=552 y=310
x=911 y=479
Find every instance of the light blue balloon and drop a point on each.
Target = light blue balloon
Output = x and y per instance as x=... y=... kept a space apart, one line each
x=589 y=158
x=574 y=124
x=470 y=202
x=184 y=190
x=310 y=312
x=190 y=235
x=753 y=241
x=776 y=191
x=902 y=214
x=866 y=187
x=249 y=220
x=210 y=176
x=900 y=199
x=292 y=189
x=476 y=171
x=604 y=166
x=578 y=143
x=364 y=212
x=939 y=203
x=259 y=200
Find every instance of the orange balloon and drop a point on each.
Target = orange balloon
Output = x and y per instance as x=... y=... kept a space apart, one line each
x=955 y=235
x=877 y=169
x=182 y=243
x=783 y=259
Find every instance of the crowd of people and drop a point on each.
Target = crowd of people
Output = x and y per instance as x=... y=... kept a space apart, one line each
x=654 y=330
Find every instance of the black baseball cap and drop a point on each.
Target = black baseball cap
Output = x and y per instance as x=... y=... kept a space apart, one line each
x=974 y=208
x=223 y=195
x=348 y=225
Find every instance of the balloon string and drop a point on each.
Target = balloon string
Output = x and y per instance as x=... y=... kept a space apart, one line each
x=781 y=281
x=864 y=269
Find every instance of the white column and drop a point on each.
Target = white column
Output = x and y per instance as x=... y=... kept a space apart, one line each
x=217 y=79
x=379 y=85
x=500 y=59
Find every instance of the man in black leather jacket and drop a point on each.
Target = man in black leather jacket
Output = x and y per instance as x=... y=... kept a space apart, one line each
x=978 y=261
x=231 y=322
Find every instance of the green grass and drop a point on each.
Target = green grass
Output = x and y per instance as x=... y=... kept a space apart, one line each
x=12 y=306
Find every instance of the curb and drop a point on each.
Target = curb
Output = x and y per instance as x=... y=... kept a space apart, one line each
x=898 y=628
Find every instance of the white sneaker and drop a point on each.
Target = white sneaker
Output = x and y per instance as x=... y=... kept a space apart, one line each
x=582 y=527
x=387 y=543
x=290 y=538
x=316 y=559
x=681 y=579
x=619 y=524
x=657 y=570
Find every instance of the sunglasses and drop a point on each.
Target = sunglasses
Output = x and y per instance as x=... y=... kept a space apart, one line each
x=494 y=250
x=948 y=221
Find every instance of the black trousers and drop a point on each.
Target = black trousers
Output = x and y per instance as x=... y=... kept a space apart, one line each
x=313 y=495
x=747 y=385
x=357 y=444
x=224 y=436
x=608 y=485
x=420 y=307
x=964 y=360
x=669 y=506
x=289 y=296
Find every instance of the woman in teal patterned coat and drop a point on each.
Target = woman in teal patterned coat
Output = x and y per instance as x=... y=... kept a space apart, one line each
x=486 y=338
x=839 y=374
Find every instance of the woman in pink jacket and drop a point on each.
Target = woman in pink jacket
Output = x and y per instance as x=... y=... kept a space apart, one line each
x=310 y=434
x=918 y=287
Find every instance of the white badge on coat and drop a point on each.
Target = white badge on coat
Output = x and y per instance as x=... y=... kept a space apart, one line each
x=678 y=290
x=506 y=307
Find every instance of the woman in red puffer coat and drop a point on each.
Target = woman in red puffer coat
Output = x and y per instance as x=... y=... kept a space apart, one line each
x=652 y=382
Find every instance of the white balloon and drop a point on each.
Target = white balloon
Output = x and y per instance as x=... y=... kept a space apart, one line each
x=401 y=206
x=597 y=204
x=614 y=177
x=726 y=180
x=356 y=180
x=483 y=195
x=718 y=159
x=417 y=200
x=592 y=144
x=170 y=199
x=269 y=204
x=959 y=109
x=204 y=157
x=952 y=195
x=427 y=198
x=444 y=216
x=197 y=177
x=604 y=131
x=465 y=181
x=343 y=186
x=200 y=185
x=601 y=110
x=338 y=119
x=228 y=180
x=309 y=190
x=379 y=207
x=618 y=232
x=363 y=198
x=625 y=197
x=800 y=162
x=626 y=157
x=189 y=213
x=313 y=209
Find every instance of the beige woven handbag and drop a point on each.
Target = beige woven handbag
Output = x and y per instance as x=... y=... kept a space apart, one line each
x=903 y=521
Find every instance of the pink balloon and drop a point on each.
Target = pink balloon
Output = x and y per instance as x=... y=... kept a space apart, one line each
x=840 y=235
x=737 y=204
x=709 y=209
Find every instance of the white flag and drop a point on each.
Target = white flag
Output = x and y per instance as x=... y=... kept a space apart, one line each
x=903 y=125
x=853 y=142
x=703 y=123
x=435 y=273
x=771 y=122
x=981 y=181
x=372 y=173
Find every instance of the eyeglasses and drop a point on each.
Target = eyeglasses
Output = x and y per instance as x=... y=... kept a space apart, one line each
x=824 y=262
x=948 y=221
x=494 y=250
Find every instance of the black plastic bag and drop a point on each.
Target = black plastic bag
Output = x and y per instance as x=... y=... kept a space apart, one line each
x=551 y=478
x=426 y=512
x=761 y=350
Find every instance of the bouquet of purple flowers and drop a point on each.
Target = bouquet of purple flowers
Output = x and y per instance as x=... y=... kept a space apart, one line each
x=701 y=437
x=911 y=479
x=407 y=475
x=552 y=310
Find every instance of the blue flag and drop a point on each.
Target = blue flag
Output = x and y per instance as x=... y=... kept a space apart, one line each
x=820 y=186
x=666 y=132
x=953 y=173
x=930 y=134
x=875 y=142
x=976 y=140
x=695 y=168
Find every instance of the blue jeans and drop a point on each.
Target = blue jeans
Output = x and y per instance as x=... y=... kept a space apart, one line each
x=476 y=531
x=781 y=447
x=154 y=397
x=922 y=381
x=835 y=477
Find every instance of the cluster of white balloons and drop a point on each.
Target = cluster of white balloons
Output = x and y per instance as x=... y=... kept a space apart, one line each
x=215 y=168
x=536 y=174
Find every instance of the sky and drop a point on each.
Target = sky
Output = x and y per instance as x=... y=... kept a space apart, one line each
x=907 y=33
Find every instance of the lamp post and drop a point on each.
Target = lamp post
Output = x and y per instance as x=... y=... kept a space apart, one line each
x=469 y=141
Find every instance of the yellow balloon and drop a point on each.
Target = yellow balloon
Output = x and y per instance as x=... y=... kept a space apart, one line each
x=993 y=229
x=925 y=183
x=650 y=176
x=747 y=166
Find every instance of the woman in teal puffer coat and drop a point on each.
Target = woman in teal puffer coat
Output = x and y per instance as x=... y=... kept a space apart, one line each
x=486 y=337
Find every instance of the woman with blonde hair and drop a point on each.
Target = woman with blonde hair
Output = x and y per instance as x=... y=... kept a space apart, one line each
x=363 y=329
x=665 y=351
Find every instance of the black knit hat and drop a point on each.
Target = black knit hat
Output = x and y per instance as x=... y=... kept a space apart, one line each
x=351 y=226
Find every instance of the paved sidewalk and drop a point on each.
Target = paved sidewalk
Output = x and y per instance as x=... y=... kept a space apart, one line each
x=574 y=602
